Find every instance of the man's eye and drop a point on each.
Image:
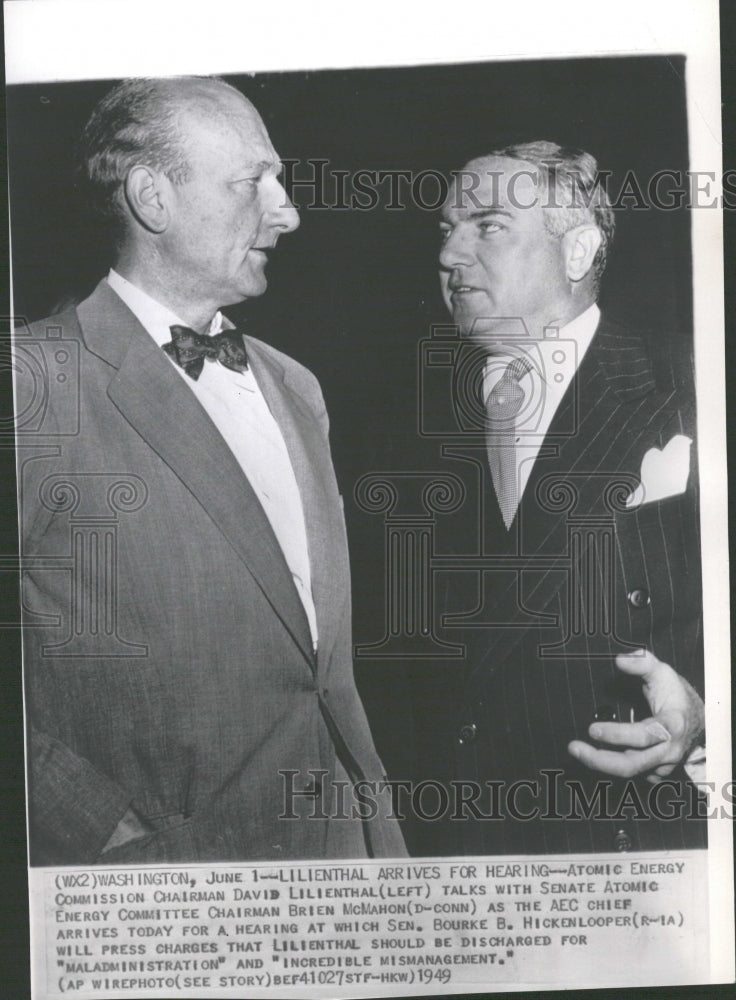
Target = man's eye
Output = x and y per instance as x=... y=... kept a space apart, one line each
x=444 y=233
x=490 y=227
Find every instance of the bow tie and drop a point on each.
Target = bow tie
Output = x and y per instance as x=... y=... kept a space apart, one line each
x=189 y=350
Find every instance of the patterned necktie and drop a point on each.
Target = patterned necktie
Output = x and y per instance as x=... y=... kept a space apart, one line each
x=503 y=404
x=189 y=350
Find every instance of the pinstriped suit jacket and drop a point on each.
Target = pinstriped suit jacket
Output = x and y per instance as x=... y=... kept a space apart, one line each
x=578 y=579
x=168 y=660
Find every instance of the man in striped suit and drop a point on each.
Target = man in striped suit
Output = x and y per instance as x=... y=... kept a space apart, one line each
x=581 y=608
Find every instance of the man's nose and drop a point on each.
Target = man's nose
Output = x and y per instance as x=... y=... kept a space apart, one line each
x=455 y=251
x=283 y=214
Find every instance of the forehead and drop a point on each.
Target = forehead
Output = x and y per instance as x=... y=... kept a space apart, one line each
x=226 y=128
x=490 y=183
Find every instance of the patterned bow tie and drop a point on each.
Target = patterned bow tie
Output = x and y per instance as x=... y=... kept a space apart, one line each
x=189 y=350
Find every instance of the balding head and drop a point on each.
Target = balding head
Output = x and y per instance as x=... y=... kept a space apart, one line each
x=186 y=171
x=144 y=122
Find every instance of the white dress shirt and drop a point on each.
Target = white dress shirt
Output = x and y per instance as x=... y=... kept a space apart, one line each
x=554 y=360
x=238 y=409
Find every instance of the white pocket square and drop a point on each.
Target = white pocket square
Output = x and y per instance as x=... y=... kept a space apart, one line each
x=663 y=472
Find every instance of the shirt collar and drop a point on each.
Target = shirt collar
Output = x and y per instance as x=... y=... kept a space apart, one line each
x=154 y=317
x=582 y=329
x=579 y=330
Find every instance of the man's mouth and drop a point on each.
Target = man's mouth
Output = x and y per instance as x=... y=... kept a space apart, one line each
x=263 y=251
x=457 y=290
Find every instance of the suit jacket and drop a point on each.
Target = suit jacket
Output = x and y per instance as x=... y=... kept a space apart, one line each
x=544 y=608
x=168 y=659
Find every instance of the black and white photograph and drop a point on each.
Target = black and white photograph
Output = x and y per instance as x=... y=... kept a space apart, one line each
x=369 y=436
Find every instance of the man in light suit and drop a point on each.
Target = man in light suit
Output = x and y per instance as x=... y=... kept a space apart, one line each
x=576 y=577
x=186 y=591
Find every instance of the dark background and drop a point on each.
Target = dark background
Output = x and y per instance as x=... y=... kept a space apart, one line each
x=351 y=293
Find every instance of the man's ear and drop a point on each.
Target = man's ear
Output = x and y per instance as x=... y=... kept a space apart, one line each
x=146 y=198
x=580 y=245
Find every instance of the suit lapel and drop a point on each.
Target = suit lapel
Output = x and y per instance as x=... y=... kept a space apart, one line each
x=312 y=466
x=610 y=413
x=610 y=408
x=156 y=401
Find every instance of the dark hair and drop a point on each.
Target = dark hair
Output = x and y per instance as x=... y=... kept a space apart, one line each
x=575 y=194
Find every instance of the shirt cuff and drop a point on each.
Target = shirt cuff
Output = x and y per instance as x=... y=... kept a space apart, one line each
x=694 y=767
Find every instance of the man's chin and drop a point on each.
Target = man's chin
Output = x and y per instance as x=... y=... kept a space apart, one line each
x=255 y=285
x=241 y=292
x=474 y=327
x=491 y=330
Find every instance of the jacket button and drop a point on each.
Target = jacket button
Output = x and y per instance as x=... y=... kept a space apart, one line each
x=622 y=841
x=468 y=733
x=313 y=787
x=639 y=598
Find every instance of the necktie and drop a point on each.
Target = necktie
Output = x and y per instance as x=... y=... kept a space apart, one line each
x=503 y=404
x=189 y=350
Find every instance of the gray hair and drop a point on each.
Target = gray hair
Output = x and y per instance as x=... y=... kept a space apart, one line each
x=575 y=194
x=138 y=122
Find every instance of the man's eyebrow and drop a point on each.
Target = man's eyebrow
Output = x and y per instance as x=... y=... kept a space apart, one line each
x=482 y=213
x=485 y=212
x=257 y=167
